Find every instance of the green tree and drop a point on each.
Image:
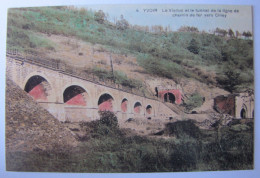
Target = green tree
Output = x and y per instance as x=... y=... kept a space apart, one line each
x=188 y=29
x=194 y=46
x=231 y=33
x=230 y=80
x=122 y=24
x=247 y=34
x=100 y=16
x=238 y=34
x=220 y=32
x=193 y=101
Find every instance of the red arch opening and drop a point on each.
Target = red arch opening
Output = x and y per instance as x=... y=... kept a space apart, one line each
x=38 y=88
x=137 y=108
x=105 y=103
x=75 y=95
x=124 y=105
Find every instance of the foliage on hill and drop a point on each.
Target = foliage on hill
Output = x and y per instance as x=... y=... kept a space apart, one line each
x=162 y=53
x=118 y=77
x=194 y=101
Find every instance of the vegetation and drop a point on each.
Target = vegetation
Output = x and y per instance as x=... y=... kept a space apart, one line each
x=230 y=80
x=171 y=54
x=193 y=47
x=118 y=77
x=194 y=101
x=107 y=148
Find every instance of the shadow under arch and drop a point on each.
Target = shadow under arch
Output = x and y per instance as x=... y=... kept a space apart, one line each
x=149 y=109
x=137 y=107
x=38 y=87
x=75 y=95
x=105 y=102
x=124 y=105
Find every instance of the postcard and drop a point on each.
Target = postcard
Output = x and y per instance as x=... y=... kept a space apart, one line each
x=130 y=88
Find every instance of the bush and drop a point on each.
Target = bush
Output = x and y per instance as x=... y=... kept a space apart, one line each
x=108 y=118
x=122 y=24
x=194 y=101
x=100 y=16
x=181 y=129
x=107 y=126
x=194 y=47
x=230 y=80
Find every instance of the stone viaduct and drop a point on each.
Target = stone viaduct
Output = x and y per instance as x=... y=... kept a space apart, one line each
x=70 y=97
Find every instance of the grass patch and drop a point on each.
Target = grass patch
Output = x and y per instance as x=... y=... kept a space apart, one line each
x=118 y=77
x=193 y=101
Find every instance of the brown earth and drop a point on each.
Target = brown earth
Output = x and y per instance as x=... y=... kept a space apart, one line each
x=30 y=127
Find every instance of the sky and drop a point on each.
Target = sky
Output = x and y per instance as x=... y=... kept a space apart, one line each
x=236 y=17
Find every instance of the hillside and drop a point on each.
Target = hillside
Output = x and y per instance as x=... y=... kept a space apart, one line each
x=86 y=39
x=29 y=127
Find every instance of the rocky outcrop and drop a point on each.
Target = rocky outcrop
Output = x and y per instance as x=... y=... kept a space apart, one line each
x=30 y=127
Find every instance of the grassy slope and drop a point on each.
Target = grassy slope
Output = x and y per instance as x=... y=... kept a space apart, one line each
x=162 y=54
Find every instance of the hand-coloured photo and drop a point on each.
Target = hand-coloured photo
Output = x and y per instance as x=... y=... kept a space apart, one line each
x=130 y=88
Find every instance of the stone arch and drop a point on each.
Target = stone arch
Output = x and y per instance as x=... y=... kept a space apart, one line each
x=75 y=95
x=169 y=97
x=38 y=87
x=31 y=74
x=149 y=109
x=75 y=83
x=106 y=102
x=243 y=112
x=137 y=107
x=124 y=105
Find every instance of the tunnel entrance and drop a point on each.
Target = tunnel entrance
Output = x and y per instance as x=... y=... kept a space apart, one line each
x=149 y=109
x=137 y=108
x=169 y=97
x=105 y=103
x=75 y=95
x=124 y=105
x=37 y=87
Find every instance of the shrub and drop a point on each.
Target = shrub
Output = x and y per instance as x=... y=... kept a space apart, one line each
x=108 y=118
x=194 y=101
x=194 y=47
x=181 y=129
x=100 y=16
x=230 y=80
x=122 y=24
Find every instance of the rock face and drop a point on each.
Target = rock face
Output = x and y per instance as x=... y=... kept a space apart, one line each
x=30 y=127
